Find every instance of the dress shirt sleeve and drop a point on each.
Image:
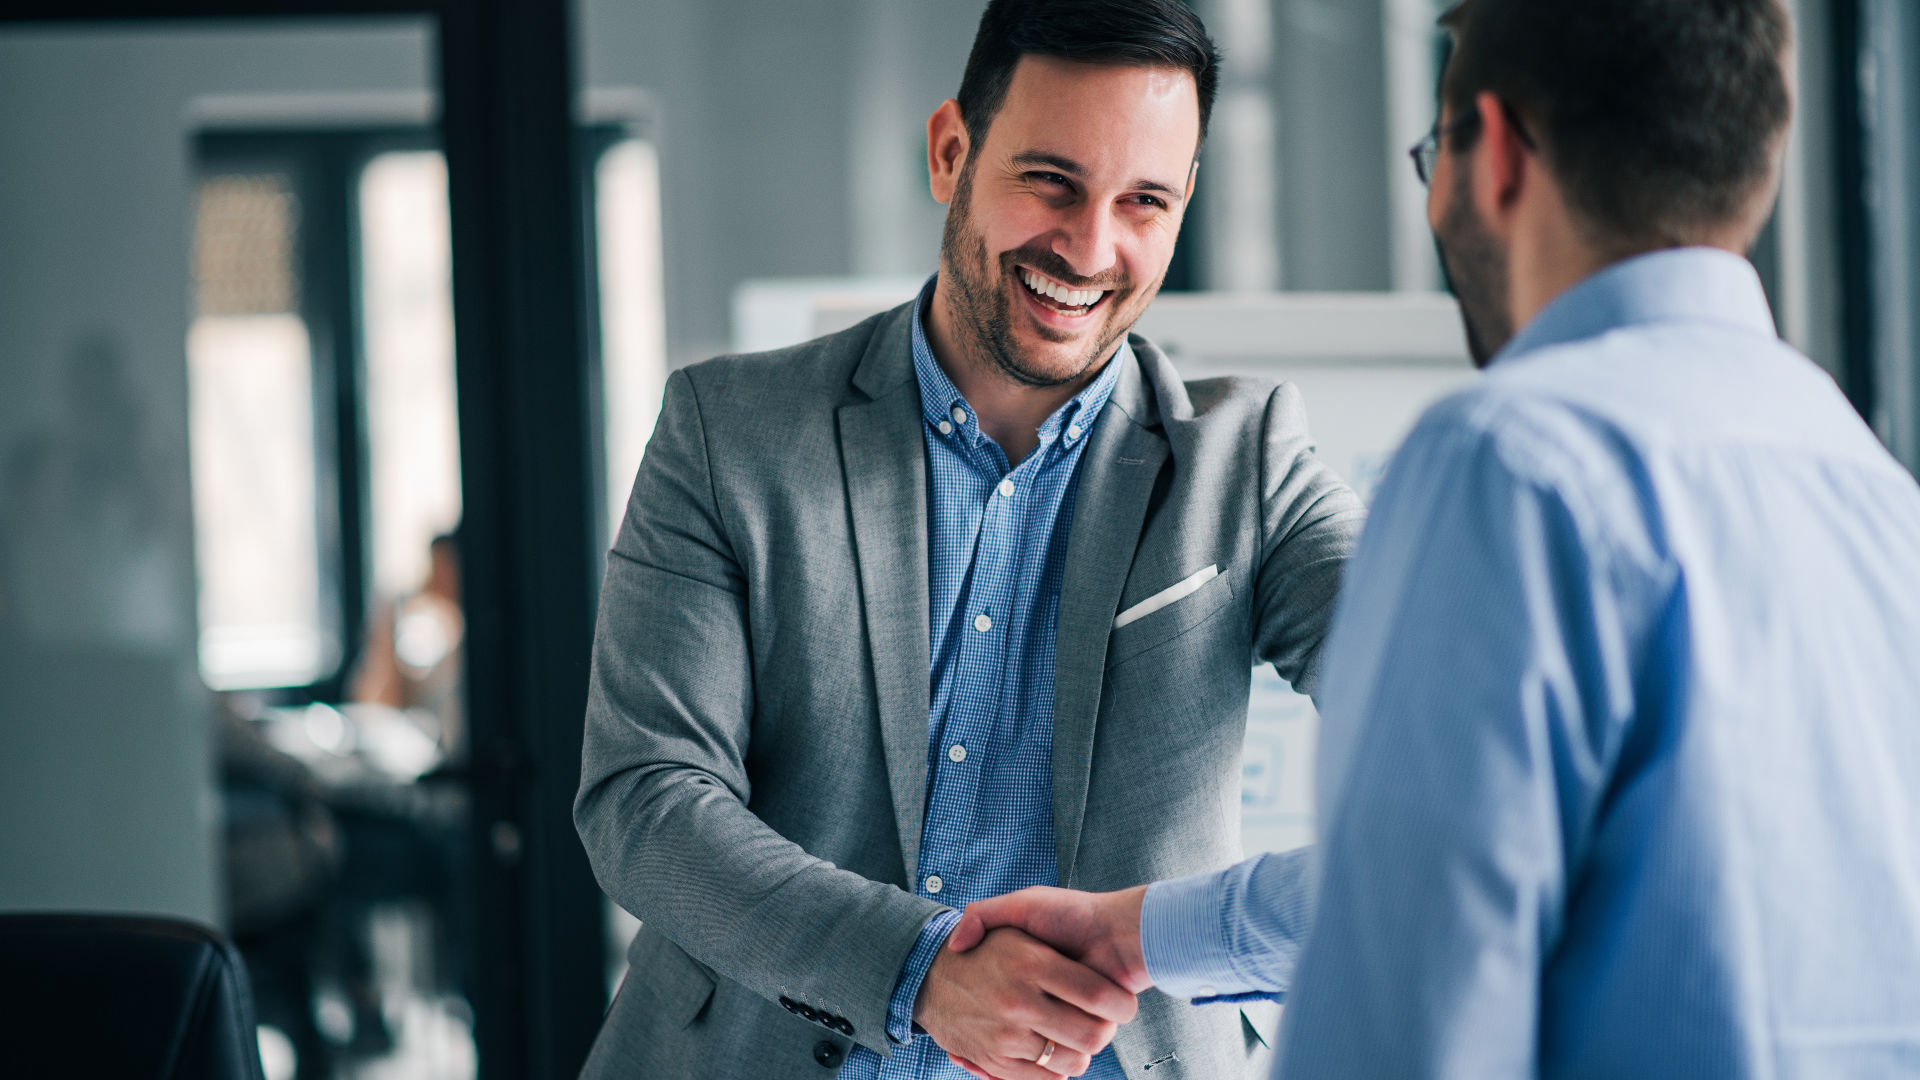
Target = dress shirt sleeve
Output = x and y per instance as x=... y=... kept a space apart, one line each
x=1228 y=936
x=1478 y=684
x=906 y=992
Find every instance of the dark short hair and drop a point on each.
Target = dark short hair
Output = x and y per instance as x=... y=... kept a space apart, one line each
x=1660 y=118
x=1144 y=33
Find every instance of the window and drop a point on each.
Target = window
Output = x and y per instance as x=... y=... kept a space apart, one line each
x=326 y=454
x=633 y=343
x=252 y=433
x=406 y=302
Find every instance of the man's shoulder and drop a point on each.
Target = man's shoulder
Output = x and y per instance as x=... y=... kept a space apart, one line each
x=1646 y=393
x=1528 y=429
x=1504 y=441
x=1215 y=402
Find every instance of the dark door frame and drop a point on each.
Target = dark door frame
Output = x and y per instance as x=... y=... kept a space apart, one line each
x=506 y=81
x=1853 y=212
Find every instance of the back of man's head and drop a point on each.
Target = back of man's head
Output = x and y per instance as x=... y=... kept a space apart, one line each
x=1148 y=33
x=1661 y=119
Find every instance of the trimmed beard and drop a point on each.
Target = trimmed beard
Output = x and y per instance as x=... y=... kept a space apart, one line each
x=981 y=303
x=1476 y=270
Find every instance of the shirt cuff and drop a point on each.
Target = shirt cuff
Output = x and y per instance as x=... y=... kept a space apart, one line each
x=1229 y=936
x=1182 y=940
x=906 y=990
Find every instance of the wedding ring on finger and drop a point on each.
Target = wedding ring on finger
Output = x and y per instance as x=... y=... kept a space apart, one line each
x=1045 y=1055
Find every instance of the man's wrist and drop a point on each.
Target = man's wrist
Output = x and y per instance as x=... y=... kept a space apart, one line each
x=1127 y=939
x=913 y=974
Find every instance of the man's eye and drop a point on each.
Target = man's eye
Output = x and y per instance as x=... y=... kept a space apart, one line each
x=1050 y=178
x=1152 y=201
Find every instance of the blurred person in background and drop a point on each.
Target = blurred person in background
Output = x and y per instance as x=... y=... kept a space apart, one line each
x=414 y=656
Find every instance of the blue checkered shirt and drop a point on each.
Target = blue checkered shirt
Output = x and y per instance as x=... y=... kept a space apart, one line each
x=996 y=554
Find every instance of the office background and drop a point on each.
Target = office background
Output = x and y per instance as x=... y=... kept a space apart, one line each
x=244 y=370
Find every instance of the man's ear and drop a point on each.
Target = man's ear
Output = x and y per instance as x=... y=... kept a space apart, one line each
x=1504 y=166
x=947 y=149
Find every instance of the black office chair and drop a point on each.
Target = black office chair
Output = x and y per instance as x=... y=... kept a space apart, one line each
x=129 y=998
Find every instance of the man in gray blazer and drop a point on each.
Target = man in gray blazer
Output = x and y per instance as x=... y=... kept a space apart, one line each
x=961 y=600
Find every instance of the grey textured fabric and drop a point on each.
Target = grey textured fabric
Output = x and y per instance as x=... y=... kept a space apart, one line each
x=754 y=775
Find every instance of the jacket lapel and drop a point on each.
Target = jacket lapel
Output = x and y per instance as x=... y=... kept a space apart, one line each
x=885 y=461
x=1117 y=472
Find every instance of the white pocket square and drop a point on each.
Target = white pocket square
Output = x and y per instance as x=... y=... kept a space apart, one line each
x=1164 y=597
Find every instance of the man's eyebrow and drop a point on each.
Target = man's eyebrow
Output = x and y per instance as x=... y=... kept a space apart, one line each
x=1028 y=159
x=1043 y=159
x=1165 y=189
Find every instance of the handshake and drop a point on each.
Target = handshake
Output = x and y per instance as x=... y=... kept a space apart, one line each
x=1032 y=985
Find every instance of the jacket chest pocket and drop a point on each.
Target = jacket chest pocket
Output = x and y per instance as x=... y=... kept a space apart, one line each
x=1164 y=614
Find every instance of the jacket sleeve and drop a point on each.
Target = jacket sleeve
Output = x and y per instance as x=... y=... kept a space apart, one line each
x=1310 y=522
x=663 y=806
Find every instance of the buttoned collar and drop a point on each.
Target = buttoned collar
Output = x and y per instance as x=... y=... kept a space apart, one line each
x=949 y=413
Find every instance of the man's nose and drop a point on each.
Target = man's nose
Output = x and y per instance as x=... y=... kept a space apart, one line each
x=1088 y=241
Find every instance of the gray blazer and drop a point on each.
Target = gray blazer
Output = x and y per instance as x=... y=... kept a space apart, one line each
x=755 y=770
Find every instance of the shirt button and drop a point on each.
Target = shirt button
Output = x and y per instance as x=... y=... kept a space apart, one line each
x=959 y=415
x=1073 y=431
x=1006 y=489
x=956 y=753
x=934 y=884
x=982 y=623
x=946 y=428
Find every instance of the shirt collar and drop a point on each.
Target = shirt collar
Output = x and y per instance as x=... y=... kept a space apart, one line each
x=942 y=403
x=1687 y=284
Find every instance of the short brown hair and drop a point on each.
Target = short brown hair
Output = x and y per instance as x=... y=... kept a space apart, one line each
x=1146 y=33
x=1661 y=118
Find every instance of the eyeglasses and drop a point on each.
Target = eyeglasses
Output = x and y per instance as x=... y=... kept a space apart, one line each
x=1426 y=152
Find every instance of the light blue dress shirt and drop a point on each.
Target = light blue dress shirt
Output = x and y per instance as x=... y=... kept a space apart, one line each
x=1620 y=762
x=996 y=550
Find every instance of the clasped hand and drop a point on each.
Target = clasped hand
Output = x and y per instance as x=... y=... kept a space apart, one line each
x=1031 y=970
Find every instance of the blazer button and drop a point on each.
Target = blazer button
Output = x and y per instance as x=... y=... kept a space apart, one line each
x=843 y=1026
x=828 y=1054
x=790 y=1005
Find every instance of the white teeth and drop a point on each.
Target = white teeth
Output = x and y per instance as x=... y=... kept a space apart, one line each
x=1072 y=298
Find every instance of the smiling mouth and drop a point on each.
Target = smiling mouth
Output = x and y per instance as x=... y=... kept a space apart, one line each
x=1058 y=298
